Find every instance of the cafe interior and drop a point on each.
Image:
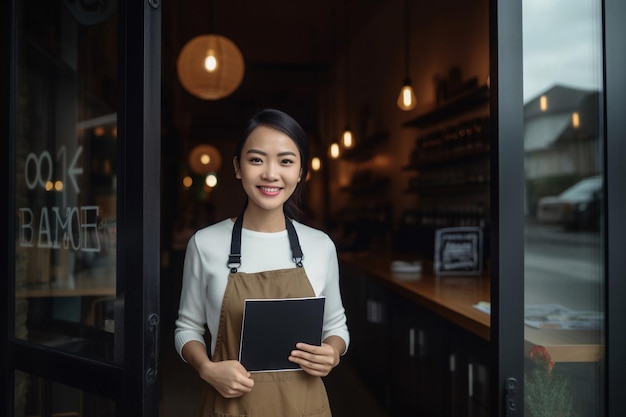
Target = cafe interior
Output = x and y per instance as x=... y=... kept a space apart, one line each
x=406 y=128
x=365 y=79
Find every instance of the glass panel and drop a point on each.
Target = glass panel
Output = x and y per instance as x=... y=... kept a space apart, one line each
x=65 y=189
x=36 y=397
x=564 y=232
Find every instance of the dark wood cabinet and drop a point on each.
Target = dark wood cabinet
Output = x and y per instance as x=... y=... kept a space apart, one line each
x=367 y=304
x=414 y=361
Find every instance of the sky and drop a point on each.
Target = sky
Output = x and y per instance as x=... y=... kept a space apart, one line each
x=562 y=45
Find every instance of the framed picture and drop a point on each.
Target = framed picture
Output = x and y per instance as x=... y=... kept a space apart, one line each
x=458 y=251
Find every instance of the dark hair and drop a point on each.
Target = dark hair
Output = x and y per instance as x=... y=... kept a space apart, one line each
x=286 y=124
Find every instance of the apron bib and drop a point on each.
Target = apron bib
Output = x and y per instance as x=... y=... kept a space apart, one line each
x=275 y=394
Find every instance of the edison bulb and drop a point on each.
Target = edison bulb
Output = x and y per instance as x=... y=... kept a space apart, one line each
x=347 y=139
x=406 y=99
x=334 y=151
x=210 y=62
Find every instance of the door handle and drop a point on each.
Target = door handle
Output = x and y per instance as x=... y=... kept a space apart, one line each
x=153 y=362
x=510 y=406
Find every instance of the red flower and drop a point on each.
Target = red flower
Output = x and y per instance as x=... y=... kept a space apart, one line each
x=540 y=354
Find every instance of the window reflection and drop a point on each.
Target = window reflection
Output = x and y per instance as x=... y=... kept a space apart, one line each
x=564 y=261
x=36 y=396
x=66 y=177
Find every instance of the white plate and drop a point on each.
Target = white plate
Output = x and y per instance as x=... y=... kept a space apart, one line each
x=406 y=267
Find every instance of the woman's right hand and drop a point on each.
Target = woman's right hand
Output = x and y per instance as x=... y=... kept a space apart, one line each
x=229 y=378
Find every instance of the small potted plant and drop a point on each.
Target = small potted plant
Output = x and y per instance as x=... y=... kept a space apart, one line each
x=546 y=393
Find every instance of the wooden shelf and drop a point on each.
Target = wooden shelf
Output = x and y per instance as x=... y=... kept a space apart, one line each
x=452 y=108
x=448 y=188
x=373 y=187
x=444 y=159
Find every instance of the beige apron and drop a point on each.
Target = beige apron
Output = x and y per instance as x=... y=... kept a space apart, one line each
x=275 y=394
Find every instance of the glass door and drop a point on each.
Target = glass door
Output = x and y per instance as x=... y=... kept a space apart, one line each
x=82 y=153
x=564 y=230
x=559 y=100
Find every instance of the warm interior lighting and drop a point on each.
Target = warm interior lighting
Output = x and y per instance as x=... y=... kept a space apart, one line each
x=346 y=138
x=98 y=131
x=211 y=180
x=187 y=181
x=576 y=120
x=406 y=98
x=333 y=152
x=58 y=185
x=210 y=62
x=204 y=159
x=543 y=103
x=210 y=67
x=316 y=164
x=49 y=186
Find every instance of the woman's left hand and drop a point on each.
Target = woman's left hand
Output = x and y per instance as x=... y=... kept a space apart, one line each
x=315 y=360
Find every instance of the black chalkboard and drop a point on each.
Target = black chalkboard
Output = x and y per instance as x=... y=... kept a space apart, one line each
x=458 y=251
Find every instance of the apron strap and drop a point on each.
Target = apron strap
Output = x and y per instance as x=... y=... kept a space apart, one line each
x=294 y=242
x=234 y=258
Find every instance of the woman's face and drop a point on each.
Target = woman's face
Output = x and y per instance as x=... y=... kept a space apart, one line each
x=269 y=169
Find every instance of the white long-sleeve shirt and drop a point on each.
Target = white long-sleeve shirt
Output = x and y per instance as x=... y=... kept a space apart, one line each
x=205 y=275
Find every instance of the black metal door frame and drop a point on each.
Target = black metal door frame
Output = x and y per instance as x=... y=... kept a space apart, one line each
x=134 y=384
x=507 y=283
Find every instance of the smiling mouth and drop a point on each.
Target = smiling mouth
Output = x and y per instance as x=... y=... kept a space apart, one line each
x=269 y=190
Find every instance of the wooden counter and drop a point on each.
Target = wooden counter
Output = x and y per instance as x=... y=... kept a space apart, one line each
x=453 y=298
x=450 y=297
x=84 y=285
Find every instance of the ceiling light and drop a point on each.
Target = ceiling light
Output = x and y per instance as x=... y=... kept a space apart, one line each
x=204 y=159
x=210 y=67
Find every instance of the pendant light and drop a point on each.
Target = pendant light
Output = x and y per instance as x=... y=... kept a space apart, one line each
x=347 y=140
x=334 y=150
x=210 y=66
x=406 y=98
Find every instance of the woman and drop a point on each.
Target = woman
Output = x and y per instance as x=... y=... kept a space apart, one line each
x=279 y=258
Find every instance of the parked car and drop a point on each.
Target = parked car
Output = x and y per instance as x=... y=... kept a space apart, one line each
x=578 y=207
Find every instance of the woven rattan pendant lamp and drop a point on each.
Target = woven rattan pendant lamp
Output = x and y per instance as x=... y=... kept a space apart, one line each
x=210 y=66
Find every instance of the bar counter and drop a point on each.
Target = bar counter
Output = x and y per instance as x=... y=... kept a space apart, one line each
x=451 y=297
x=454 y=298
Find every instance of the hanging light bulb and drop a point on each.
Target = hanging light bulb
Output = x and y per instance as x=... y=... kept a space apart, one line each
x=316 y=164
x=210 y=62
x=406 y=98
x=333 y=151
x=210 y=66
x=346 y=138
